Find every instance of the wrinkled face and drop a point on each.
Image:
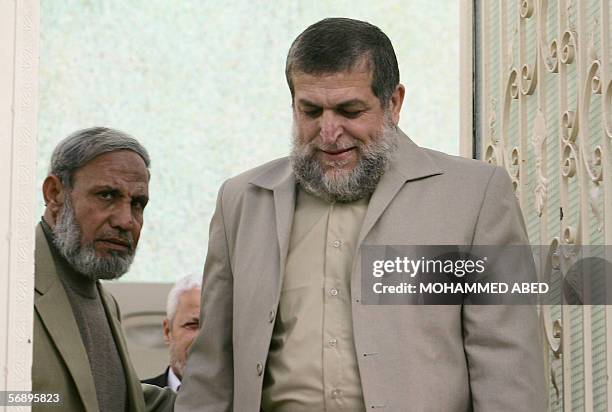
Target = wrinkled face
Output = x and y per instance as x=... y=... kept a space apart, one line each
x=99 y=225
x=337 y=112
x=182 y=330
x=109 y=196
x=343 y=137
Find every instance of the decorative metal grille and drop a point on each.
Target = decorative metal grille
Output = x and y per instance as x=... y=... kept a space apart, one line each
x=545 y=104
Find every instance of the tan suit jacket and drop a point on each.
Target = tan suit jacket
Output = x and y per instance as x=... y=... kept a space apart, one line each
x=411 y=358
x=60 y=363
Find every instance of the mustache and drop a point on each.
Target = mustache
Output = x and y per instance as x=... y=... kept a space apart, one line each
x=119 y=236
x=313 y=146
x=337 y=147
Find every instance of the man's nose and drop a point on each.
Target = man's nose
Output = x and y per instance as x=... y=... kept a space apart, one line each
x=122 y=216
x=331 y=128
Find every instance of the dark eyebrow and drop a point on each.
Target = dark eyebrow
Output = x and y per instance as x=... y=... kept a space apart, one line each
x=304 y=102
x=342 y=105
x=142 y=199
x=104 y=188
x=352 y=103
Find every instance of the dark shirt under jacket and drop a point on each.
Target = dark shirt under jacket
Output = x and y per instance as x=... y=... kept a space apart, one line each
x=160 y=380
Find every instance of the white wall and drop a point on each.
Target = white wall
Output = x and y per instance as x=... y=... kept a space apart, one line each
x=203 y=87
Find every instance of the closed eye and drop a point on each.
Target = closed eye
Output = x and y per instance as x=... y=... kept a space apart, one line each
x=351 y=114
x=191 y=325
x=312 y=113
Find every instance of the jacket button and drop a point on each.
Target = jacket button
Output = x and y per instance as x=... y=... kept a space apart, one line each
x=259 y=369
x=272 y=314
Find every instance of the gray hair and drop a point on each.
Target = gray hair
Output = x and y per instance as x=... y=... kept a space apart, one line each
x=84 y=145
x=184 y=284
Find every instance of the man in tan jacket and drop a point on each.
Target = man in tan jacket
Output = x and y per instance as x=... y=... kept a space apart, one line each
x=284 y=327
x=95 y=195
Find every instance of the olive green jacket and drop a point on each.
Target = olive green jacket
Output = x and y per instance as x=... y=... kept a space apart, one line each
x=60 y=363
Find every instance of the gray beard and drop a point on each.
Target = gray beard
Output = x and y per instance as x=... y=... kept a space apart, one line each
x=83 y=258
x=350 y=186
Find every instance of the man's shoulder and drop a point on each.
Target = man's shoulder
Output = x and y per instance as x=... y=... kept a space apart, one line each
x=468 y=181
x=259 y=175
x=464 y=171
x=459 y=165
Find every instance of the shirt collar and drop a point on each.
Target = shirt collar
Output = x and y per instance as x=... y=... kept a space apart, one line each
x=173 y=381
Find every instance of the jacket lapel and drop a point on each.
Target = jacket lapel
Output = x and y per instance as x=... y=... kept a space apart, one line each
x=52 y=305
x=409 y=163
x=134 y=389
x=281 y=181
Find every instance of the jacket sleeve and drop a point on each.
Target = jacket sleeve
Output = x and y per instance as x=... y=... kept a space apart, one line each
x=208 y=381
x=502 y=342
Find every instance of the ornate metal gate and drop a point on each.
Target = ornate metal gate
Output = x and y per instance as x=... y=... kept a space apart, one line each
x=544 y=93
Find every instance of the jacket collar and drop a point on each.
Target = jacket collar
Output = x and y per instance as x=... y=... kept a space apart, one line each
x=53 y=308
x=410 y=162
x=134 y=389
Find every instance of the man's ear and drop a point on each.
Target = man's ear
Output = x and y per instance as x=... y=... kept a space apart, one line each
x=54 y=194
x=166 y=326
x=397 y=98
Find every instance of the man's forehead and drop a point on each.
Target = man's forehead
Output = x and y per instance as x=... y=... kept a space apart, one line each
x=335 y=90
x=188 y=305
x=190 y=297
x=359 y=75
x=122 y=166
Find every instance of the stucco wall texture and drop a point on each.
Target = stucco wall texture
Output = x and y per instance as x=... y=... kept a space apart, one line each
x=201 y=84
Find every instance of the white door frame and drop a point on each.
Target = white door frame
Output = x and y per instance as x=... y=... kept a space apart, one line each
x=19 y=38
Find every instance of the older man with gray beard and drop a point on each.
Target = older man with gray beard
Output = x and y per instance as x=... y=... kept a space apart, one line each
x=283 y=325
x=95 y=195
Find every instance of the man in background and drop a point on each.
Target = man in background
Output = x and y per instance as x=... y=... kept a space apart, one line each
x=180 y=328
x=95 y=195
